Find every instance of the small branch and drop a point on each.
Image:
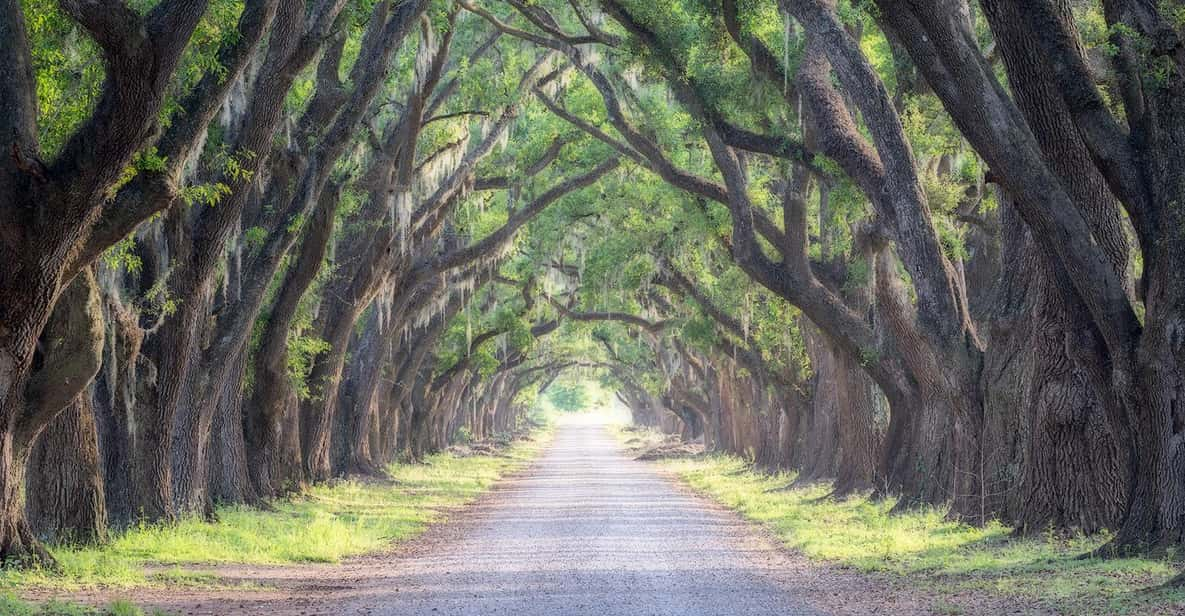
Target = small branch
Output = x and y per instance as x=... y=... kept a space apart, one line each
x=622 y=317
x=457 y=114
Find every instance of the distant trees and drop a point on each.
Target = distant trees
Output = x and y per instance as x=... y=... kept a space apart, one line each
x=568 y=397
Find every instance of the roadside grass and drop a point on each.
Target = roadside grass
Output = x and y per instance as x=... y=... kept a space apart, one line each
x=10 y=605
x=638 y=438
x=929 y=551
x=324 y=524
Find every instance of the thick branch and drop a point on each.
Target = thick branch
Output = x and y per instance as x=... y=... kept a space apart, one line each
x=491 y=243
x=152 y=192
x=945 y=50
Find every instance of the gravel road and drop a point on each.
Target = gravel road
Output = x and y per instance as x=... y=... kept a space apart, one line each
x=589 y=531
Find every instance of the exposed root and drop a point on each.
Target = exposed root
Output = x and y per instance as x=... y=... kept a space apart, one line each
x=366 y=473
x=670 y=451
x=807 y=482
x=1114 y=549
x=850 y=488
x=22 y=550
x=490 y=447
x=264 y=504
x=1176 y=582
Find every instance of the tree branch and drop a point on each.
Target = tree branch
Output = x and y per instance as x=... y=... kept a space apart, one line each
x=497 y=239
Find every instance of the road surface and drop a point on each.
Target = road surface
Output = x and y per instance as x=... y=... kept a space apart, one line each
x=587 y=530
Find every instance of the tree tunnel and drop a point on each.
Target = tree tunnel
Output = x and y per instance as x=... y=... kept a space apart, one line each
x=323 y=236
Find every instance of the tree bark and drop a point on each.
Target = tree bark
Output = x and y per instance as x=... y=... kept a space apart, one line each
x=229 y=482
x=65 y=499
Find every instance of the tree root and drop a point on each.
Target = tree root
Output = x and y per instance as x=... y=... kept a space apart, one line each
x=22 y=550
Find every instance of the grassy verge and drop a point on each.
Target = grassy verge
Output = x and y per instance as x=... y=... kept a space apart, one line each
x=638 y=438
x=928 y=551
x=651 y=444
x=325 y=524
x=10 y=605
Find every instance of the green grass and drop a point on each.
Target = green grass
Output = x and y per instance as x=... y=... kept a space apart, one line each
x=943 y=556
x=637 y=438
x=10 y=605
x=323 y=525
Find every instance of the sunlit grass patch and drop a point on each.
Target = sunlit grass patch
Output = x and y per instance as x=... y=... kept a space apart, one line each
x=934 y=552
x=10 y=605
x=637 y=437
x=325 y=524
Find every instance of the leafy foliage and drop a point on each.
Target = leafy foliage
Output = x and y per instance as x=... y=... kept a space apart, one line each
x=568 y=396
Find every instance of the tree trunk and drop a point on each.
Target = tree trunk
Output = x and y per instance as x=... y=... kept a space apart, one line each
x=229 y=481
x=164 y=382
x=192 y=441
x=317 y=413
x=361 y=407
x=1155 y=518
x=856 y=426
x=114 y=400
x=65 y=498
x=18 y=543
x=820 y=458
x=1155 y=399
x=1053 y=456
x=69 y=354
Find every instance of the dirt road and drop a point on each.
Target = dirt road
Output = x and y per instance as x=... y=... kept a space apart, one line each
x=587 y=531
